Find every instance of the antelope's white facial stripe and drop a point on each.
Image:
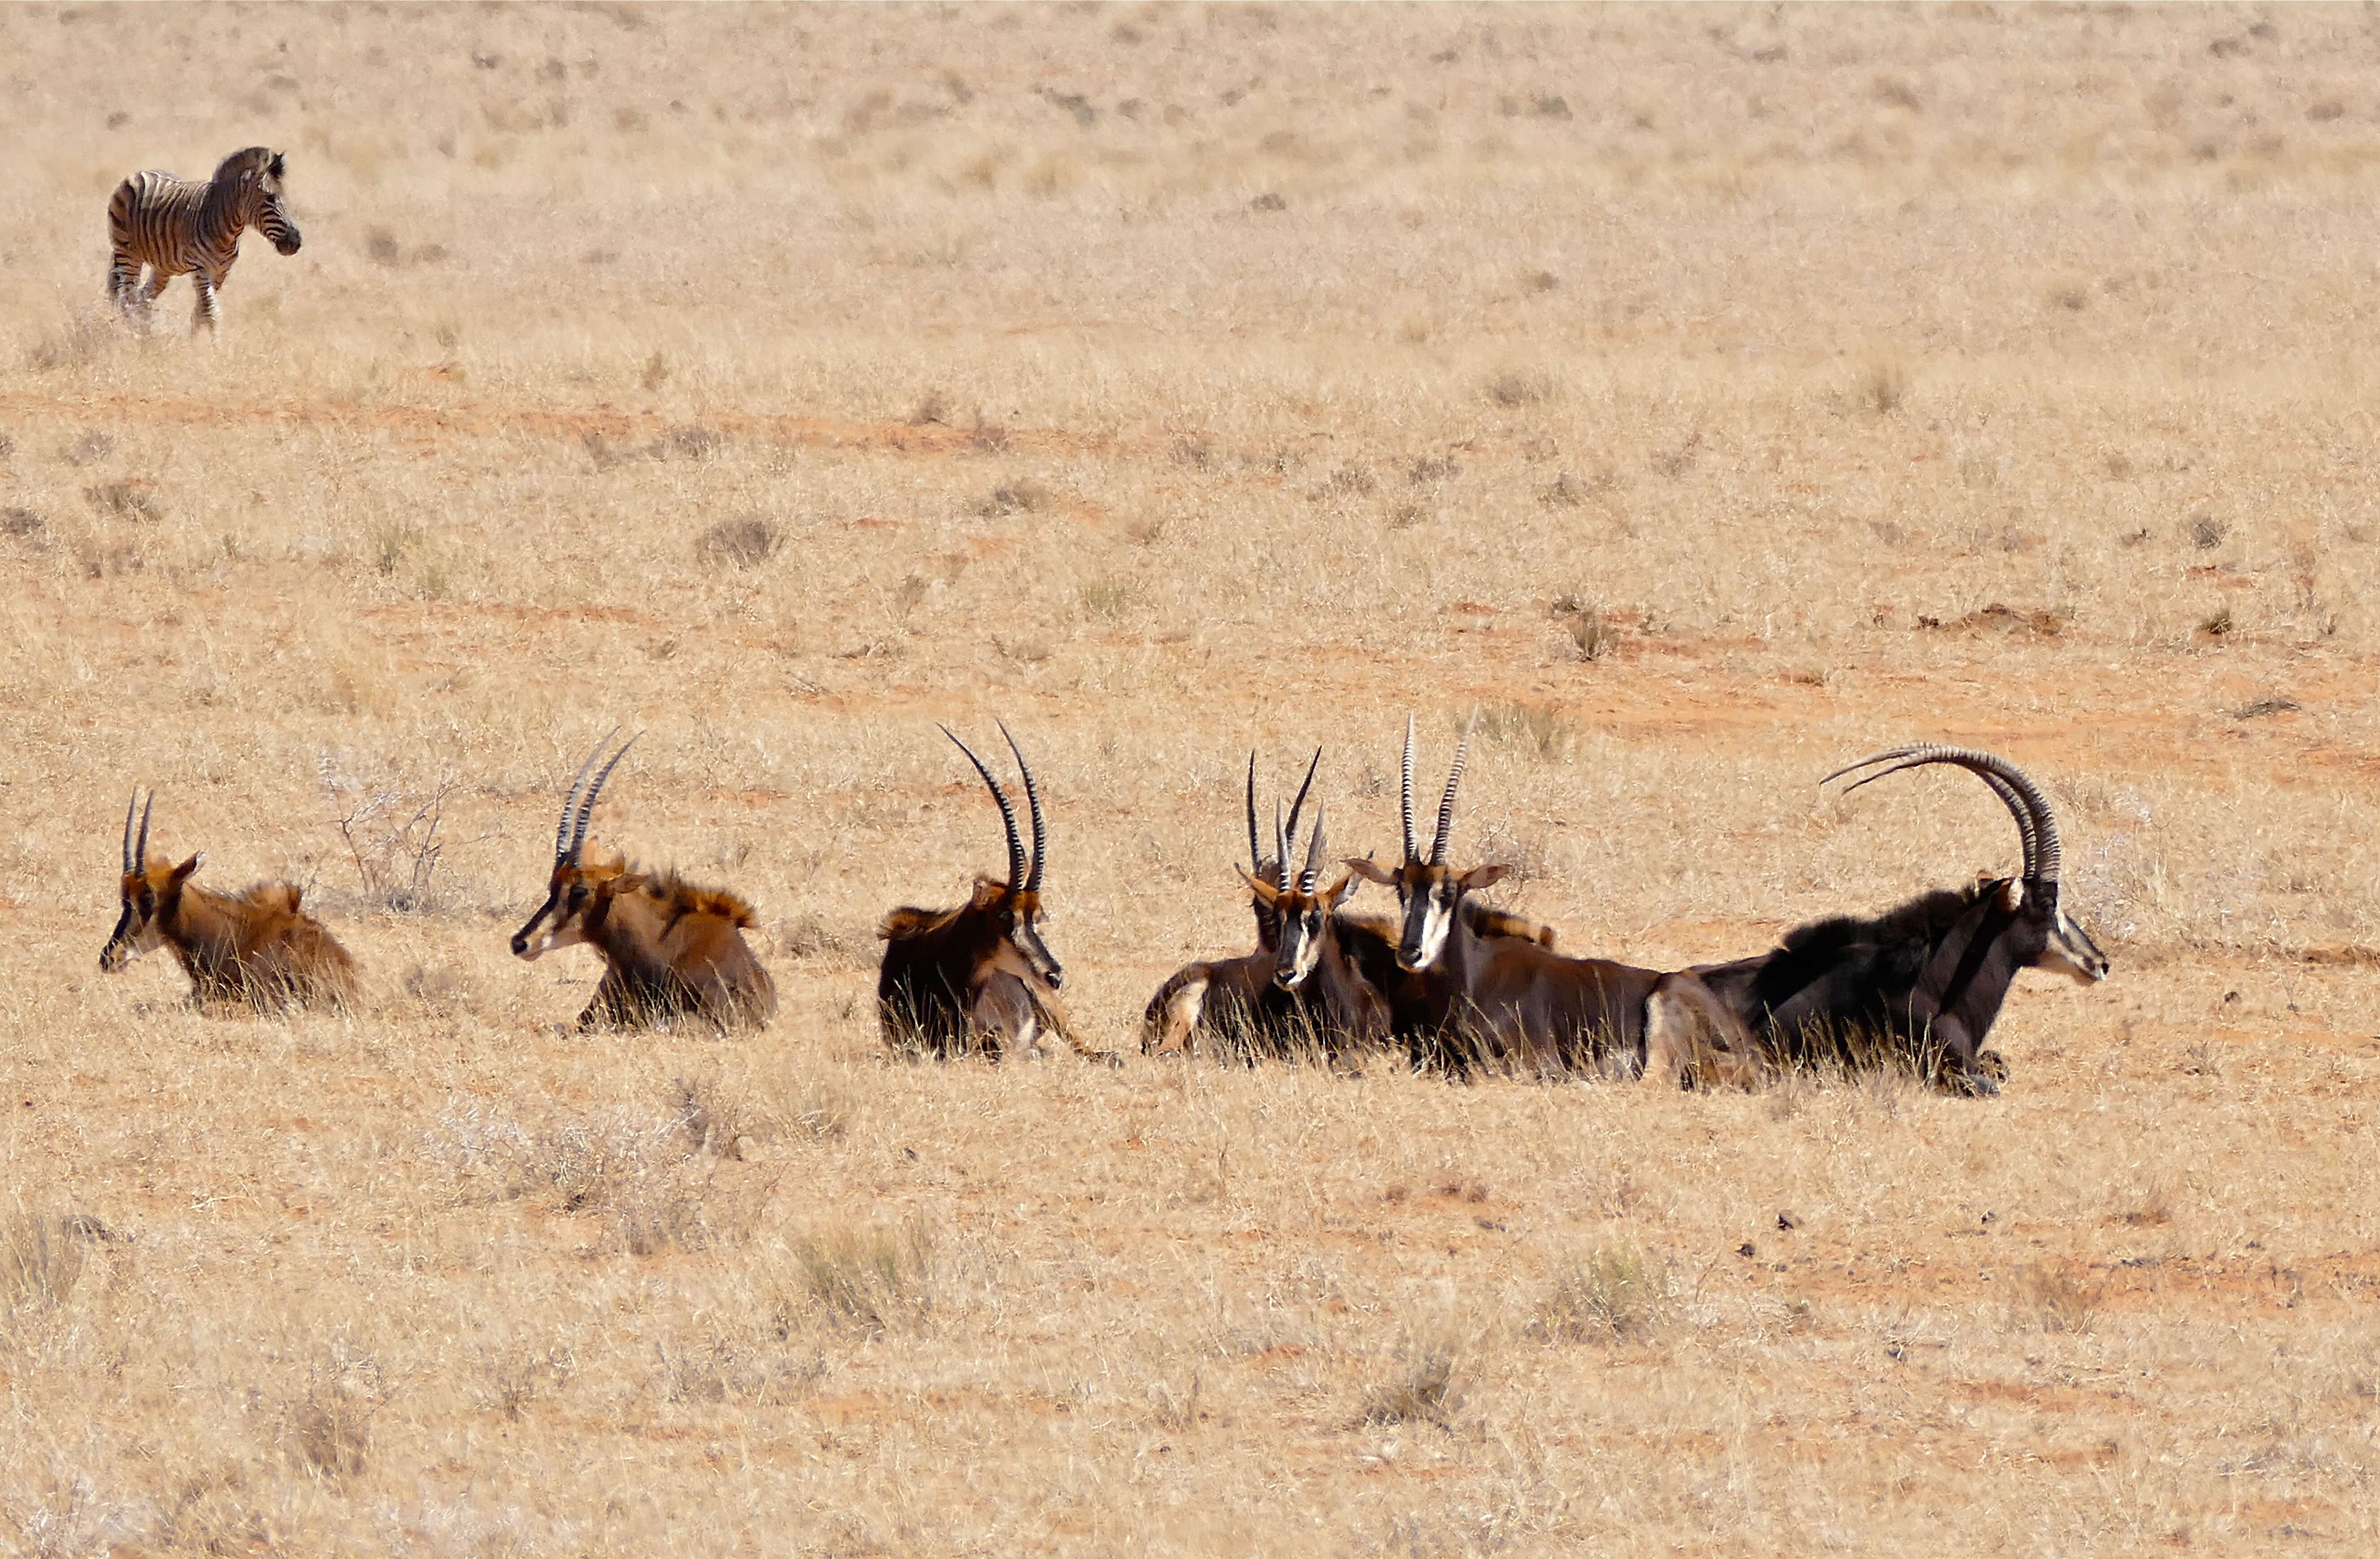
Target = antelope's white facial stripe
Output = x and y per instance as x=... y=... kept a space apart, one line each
x=1301 y=943
x=1438 y=918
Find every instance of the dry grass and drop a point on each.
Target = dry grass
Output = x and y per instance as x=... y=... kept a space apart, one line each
x=1710 y=395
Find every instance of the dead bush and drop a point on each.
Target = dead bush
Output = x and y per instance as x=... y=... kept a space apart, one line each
x=745 y=543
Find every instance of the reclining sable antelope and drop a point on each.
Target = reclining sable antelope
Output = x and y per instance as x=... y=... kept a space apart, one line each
x=1317 y=974
x=1923 y=982
x=670 y=949
x=978 y=979
x=255 y=946
x=1462 y=1000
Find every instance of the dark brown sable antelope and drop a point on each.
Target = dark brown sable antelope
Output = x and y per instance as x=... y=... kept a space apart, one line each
x=977 y=978
x=1262 y=1004
x=1503 y=1002
x=1924 y=981
x=670 y=950
x=255 y=947
x=1233 y=1002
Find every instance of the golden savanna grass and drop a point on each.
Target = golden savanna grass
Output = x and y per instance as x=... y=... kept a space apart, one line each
x=1711 y=394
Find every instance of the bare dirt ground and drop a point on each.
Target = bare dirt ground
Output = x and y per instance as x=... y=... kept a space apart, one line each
x=1711 y=396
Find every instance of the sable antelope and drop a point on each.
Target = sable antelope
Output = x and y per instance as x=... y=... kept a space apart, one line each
x=1469 y=1000
x=1927 y=977
x=1260 y=1003
x=978 y=977
x=1233 y=1001
x=670 y=949
x=254 y=947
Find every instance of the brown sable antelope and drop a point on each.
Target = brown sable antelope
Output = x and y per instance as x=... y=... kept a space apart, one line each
x=670 y=949
x=1503 y=1002
x=1259 y=1004
x=978 y=979
x=1233 y=1002
x=1312 y=961
x=255 y=947
x=1923 y=982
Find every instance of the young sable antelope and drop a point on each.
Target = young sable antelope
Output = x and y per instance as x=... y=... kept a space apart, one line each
x=1233 y=1001
x=670 y=949
x=979 y=978
x=255 y=947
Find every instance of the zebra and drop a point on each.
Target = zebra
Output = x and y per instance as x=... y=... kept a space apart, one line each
x=173 y=225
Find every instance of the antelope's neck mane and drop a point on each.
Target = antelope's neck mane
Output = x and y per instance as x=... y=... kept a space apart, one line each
x=679 y=897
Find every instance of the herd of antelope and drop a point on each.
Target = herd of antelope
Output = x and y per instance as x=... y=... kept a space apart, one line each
x=1451 y=983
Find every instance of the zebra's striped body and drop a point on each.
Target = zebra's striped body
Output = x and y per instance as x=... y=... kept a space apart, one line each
x=176 y=225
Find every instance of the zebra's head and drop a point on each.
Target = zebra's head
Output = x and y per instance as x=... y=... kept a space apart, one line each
x=257 y=173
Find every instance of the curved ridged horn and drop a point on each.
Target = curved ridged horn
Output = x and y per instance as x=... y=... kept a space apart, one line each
x=1404 y=793
x=1299 y=804
x=1032 y=801
x=1453 y=783
x=570 y=797
x=1313 y=855
x=594 y=789
x=1256 y=851
x=1007 y=812
x=1280 y=849
x=2037 y=824
x=140 y=850
x=130 y=808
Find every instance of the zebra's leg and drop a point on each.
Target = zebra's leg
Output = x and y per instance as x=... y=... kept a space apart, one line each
x=123 y=281
x=208 y=313
x=148 y=291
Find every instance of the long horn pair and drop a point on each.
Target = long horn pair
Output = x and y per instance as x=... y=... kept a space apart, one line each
x=1256 y=850
x=1020 y=878
x=570 y=836
x=2037 y=824
x=136 y=857
x=1446 y=803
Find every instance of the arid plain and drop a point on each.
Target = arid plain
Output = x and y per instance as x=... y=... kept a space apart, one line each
x=1711 y=396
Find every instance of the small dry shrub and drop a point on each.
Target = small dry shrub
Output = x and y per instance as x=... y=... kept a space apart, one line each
x=656 y=371
x=1613 y=1296
x=1882 y=386
x=2049 y=1297
x=695 y=443
x=745 y=543
x=125 y=501
x=865 y=1279
x=1022 y=495
x=1533 y=727
x=1104 y=597
x=19 y=523
x=40 y=1262
x=647 y=1188
x=1583 y=620
x=735 y=1365
x=382 y=248
x=2206 y=532
x=1420 y=1387
x=1513 y=388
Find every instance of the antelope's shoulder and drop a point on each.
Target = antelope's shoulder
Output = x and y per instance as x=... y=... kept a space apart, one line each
x=271 y=898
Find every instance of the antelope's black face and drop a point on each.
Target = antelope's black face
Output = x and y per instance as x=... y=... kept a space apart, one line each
x=2069 y=950
x=272 y=208
x=1019 y=917
x=1302 y=920
x=146 y=894
x=561 y=920
x=1431 y=895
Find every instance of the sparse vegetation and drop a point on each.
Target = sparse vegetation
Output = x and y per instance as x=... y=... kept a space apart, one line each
x=337 y=1282
x=744 y=543
x=1614 y=1294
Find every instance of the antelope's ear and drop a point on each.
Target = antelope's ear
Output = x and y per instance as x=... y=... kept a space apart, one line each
x=276 y=167
x=986 y=893
x=1265 y=890
x=1340 y=893
x=181 y=874
x=1365 y=867
x=2012 y=895
x=1478 y=877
